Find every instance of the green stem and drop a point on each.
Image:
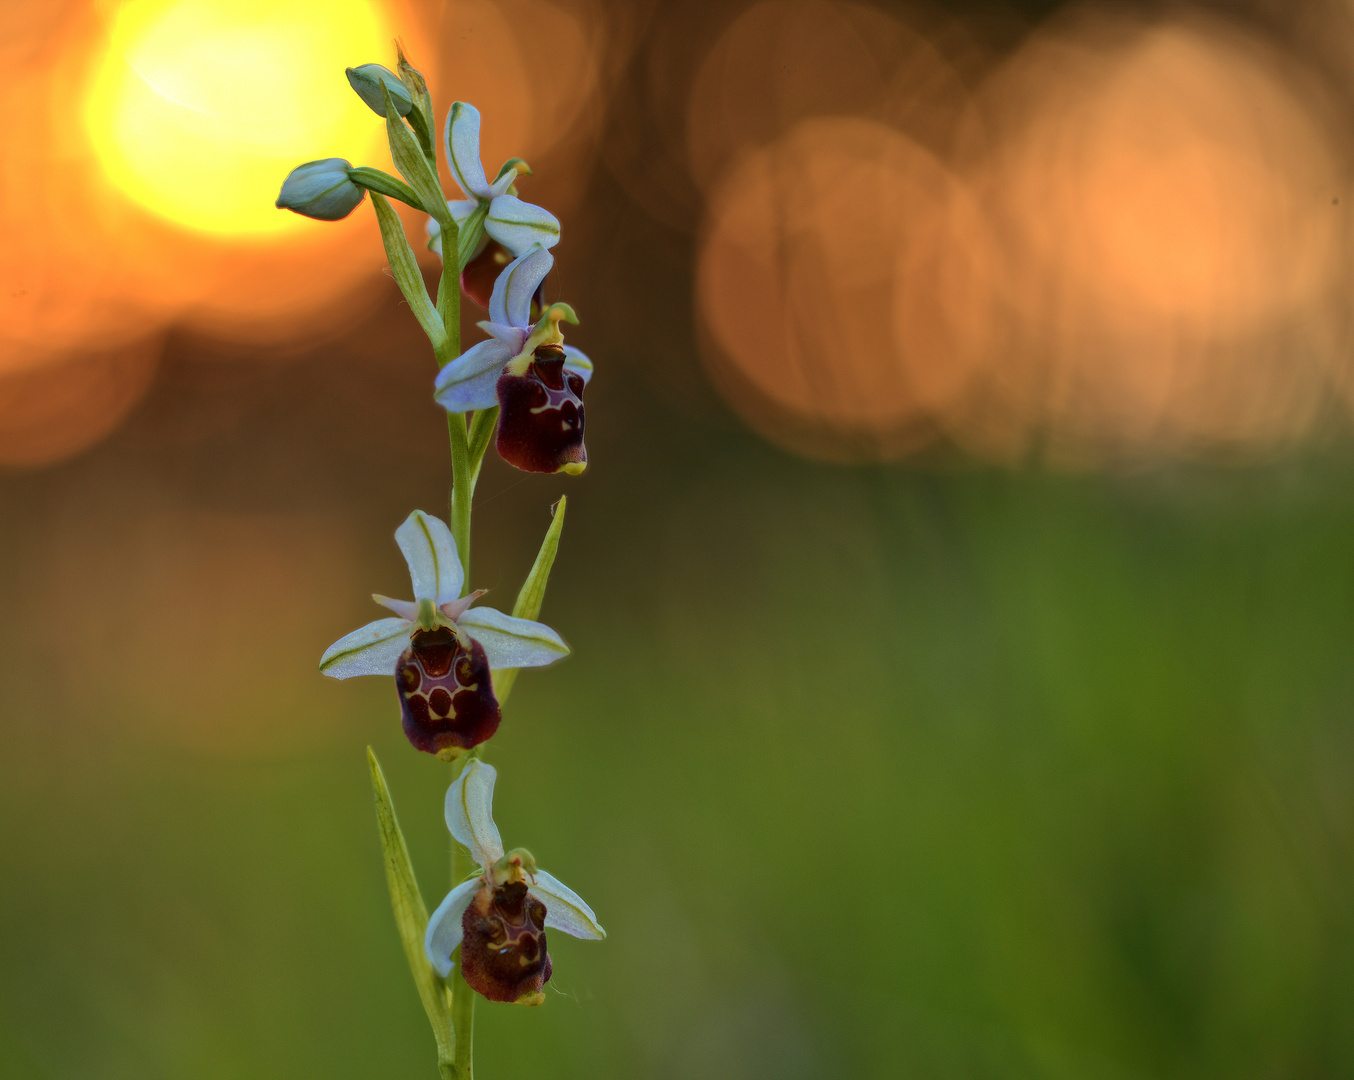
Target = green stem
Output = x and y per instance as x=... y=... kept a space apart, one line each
x=462 y=490
x=462 y=996
x=463 y=1020
x=467 y=454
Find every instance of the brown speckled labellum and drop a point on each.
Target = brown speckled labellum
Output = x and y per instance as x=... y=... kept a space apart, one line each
x=503 y=954
x=446 y=694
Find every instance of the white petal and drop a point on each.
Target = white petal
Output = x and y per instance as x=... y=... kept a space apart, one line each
x=479 y=358
x=514 y=337
x=463 y=149
x=565 y=909
x=577 y=362
x=517 y=225
x=444 y=927
x=510 y=642
x=405 y=609
x=372 y=650
x=477 y=392
x=469 y=810
x=430 y=551
x=460 y=210
x=468 y=382
x=510 y=303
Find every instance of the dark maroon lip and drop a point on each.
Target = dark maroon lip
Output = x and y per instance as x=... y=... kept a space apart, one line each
x=541 y=416
x=446 y=692
x=503 y=948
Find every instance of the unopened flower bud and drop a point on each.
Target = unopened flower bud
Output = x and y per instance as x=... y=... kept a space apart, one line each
x=367 y=80
x=320 y=190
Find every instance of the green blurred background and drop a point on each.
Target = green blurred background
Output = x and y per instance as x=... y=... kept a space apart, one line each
x=932 y=769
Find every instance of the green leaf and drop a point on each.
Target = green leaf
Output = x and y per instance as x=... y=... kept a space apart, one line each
x=471 y=231
x=531 y=597
x=481 y=431
x=407 y=274
x=413 y=163
x=411 y=918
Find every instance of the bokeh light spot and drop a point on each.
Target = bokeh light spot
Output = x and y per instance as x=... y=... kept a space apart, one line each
x=199 y=108
x=844 y=284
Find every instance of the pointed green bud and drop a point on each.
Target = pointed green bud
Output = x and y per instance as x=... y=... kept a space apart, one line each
x=367 y=81
x=320 y=190
x=422 y=114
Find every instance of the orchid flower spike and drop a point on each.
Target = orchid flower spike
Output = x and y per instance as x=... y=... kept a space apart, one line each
x=526 y=369
x=439 y=648
x=499 y=917
x=515 y=224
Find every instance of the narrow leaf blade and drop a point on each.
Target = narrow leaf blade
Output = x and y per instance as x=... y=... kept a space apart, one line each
x=411 y=915
x=532 y=596
x=413 y=163
x=407 y=276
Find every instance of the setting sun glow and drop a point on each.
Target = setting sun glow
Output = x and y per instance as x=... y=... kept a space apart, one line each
x=199 y=108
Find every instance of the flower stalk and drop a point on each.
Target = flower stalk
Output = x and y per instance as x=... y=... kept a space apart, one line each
x=454 y=662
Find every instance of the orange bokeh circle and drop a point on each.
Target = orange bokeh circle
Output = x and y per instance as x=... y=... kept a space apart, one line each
x=843 y=285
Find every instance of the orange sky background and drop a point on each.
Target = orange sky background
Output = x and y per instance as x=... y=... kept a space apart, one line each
x=1108 y=236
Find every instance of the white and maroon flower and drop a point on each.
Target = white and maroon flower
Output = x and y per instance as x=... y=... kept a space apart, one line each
x=525 y=368
x=440 y=649
x=499 y=918
x=515 y=224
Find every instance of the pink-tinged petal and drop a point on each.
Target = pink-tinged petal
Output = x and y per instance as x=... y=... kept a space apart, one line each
x=372 y=650
x=565 y=909
x=469 y=812
x=444 y=926
x=463 y=150
x=405 y=609
x=576 y=360
x=510 y=303
x=454 y=609
x=430 y=550
x=517 y=225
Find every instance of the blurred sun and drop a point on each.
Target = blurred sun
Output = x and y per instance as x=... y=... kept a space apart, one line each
x=199 y=108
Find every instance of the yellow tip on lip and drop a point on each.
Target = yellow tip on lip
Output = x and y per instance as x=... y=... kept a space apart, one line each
x=573 y=468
